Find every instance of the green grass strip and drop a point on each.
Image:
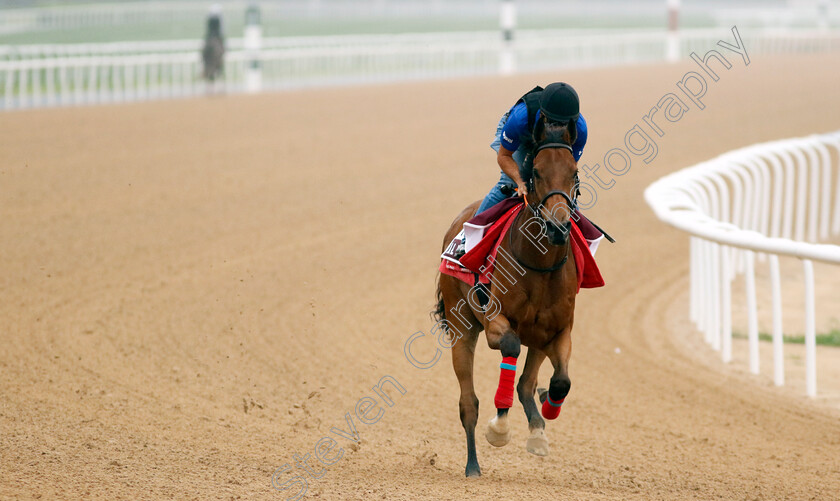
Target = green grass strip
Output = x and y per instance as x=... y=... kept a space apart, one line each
x=829 y=339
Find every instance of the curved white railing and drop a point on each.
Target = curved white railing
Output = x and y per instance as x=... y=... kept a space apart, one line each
x=776 y=199
x=87 y=74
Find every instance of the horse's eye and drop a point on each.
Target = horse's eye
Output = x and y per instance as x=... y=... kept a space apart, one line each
x=536 y=174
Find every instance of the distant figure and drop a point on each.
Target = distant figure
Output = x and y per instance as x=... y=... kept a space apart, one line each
x=213 y=53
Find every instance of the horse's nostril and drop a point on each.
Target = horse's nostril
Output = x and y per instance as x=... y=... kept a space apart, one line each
x=557 y=234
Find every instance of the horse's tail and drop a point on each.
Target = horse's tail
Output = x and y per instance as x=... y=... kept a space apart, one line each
x=439 y=313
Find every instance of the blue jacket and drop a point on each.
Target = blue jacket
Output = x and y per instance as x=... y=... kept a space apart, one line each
x=517 y=126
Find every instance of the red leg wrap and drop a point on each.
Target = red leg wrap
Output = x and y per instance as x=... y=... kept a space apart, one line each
x=507 y=376
x=551 y=409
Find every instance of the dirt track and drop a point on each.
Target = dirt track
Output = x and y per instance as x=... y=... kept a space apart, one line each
x=193 y=292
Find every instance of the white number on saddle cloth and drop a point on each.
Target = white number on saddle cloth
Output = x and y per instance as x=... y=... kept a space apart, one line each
x=455 y=249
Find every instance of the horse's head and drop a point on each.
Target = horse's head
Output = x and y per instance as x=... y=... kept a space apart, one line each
x=550 y=171
x=214 y=26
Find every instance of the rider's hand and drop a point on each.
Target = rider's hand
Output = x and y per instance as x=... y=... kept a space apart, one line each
x=522 y=190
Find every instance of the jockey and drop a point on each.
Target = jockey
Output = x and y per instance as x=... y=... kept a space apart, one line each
x=558 y=103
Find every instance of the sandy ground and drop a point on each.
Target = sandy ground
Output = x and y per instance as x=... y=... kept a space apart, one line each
x=192 y=293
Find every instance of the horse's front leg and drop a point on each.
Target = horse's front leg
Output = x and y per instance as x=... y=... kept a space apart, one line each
x=537 y=442
x=559 y=351
x=500 y=336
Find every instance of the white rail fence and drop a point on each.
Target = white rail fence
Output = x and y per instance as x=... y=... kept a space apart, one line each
x=446 y=39
x=48 y=51
x=116 y=73
x=773 y=199
x=69 y=17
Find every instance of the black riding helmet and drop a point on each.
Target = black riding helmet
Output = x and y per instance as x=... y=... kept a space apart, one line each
x=559 y=103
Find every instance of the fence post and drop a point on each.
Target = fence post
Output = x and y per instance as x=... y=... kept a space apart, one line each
x=142 y=86
x=154 y=84
x=778 y=339
x=23 y=84
x=672 y=51
x=801 y=193
x=702 y=281
x=62 y=82
x=253 y=44
x=725 y=304
x=36 y=87
x=129 y=81
x=49 y=81
x=810 y=331
x=813 y=170
x=835 y=218
x=119 y=85
x=693 y=281
x=93 y=84
x=752 y=313
x=9 y=88
x=78 y=78
x=507 y=22
x=787 y=212
x=822 y=16
x=825 y=196
x=715 y=327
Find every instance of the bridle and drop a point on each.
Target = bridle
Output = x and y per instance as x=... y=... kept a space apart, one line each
x=537 y=212
x=570 y=201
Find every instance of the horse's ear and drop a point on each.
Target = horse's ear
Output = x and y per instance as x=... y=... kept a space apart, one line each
x=526 y=171
x=571 y=130
x=539 y=129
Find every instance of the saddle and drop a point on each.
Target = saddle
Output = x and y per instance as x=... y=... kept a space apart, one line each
x=472 y=254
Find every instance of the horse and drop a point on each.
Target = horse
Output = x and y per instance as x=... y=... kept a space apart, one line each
x=212 y=54
x=532 y=297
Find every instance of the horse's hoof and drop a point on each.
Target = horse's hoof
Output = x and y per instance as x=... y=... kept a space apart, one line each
x=542 y=392
x=498 y=432
x=537 y=443
x=473 y=471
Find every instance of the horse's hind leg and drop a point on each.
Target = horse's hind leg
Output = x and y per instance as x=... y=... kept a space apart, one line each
x=537 y=442
x=463 y=353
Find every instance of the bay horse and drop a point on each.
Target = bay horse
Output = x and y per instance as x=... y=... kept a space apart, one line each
x=213 y=51
x=531 y=297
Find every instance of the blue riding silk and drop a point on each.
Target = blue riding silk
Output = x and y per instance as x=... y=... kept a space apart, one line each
x=516 y=127
x=512 y=126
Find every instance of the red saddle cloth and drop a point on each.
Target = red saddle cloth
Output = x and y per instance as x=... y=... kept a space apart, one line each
x=483 y=255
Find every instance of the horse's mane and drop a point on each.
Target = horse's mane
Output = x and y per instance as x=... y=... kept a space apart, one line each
x=544 y=133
